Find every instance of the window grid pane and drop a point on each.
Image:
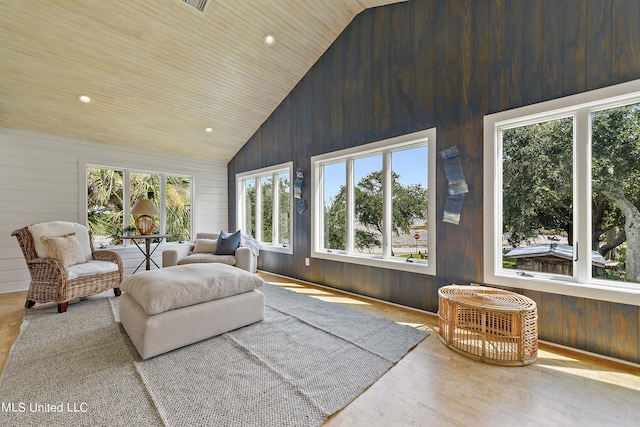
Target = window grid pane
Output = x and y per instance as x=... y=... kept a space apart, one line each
x=178 y=208
x=335 y=206
x=284 y=208
x=615 y=165
x=266 y=193
x=537 y=195
x=104 y=206
x=368 y=223
x=143 y=186
x=410 y=203
x=250 y=207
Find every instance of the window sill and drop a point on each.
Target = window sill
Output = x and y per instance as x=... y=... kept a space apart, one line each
x=416 y=266
x=118 y=249
x=132 y=247
x=277 y=248
x=619 y=293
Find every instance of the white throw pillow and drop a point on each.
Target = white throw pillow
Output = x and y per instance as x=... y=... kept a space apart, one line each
x=205 y=246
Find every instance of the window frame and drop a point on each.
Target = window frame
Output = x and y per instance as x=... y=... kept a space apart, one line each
x=580 y=107
x=385 y=148
x=274 y=172
x=126 y=189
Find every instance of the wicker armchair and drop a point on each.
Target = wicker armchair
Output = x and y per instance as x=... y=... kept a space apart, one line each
x=52 y=281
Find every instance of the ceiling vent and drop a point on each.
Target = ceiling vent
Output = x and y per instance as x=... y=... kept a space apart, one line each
x=201 y=5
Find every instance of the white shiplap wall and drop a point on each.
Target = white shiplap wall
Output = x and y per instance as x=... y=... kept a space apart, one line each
x=40 y=181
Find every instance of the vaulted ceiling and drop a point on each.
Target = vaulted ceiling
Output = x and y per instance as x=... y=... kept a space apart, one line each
x=159 y=72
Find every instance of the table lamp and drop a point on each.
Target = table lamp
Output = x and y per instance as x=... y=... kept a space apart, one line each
x=144 y=222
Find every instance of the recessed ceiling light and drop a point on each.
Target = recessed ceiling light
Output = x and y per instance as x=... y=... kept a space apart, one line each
x=269 y=39
x=208 y=130
x=84 y=99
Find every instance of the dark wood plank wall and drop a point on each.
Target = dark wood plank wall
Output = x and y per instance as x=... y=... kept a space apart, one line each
x=447 y=63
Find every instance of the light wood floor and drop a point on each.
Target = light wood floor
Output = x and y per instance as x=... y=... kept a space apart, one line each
x=434 y=386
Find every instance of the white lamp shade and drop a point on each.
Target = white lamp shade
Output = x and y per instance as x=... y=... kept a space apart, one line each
x=144 y=207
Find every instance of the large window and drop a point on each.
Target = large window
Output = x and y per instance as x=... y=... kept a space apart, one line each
x=264 y=206
x=107 y=215
x=562 y=201
x=375 y=204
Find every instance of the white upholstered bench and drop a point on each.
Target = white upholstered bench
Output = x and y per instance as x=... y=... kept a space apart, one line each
x=165 y=309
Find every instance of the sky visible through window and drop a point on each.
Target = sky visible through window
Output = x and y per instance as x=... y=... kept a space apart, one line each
x=411 y=165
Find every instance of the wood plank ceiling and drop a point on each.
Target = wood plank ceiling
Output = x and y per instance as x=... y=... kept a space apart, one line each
x=159 y=72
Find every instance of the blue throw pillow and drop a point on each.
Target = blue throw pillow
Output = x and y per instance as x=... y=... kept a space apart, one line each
x=228 y=243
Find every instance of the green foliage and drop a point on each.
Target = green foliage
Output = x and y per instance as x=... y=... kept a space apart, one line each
x=335 y=221
x=284 y=208
x=129 y=229
x=538 y=179
x=267 y=209
x=409 y=205
x=250 y=207
x=616 y=150
x=105 y=202
x=615 y=169
x=178 y=208
x=607 y=274
x=366 y=240
x=284 y=212
x=104 y=206
x=508 y=263
x=538 y=183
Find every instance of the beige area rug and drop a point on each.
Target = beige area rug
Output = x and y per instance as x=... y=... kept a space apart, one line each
x=306 y=361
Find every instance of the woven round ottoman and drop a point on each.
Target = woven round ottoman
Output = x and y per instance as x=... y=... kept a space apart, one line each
x=490 y=325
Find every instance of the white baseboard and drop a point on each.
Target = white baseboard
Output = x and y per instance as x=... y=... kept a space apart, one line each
x=6 y=288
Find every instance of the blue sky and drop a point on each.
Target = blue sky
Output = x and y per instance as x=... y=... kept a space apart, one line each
x=411 y=165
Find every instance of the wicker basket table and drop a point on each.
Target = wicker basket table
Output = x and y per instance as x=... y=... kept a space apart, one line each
x=490 y=325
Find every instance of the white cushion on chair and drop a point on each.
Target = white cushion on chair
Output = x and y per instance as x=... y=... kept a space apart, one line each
x=60 y=228
x=91 y=267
